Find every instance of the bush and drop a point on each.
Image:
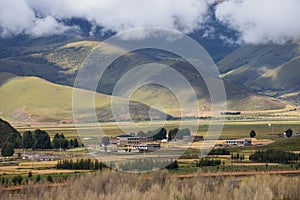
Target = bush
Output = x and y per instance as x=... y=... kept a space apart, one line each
x=38 y=178
x=173 y=165
x=7 y=149
x=49 y=178
x=219 y=152
x=29 y=174
x=208 y=162
x=17 y=180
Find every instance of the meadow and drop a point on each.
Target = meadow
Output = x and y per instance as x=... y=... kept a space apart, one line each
x=231 y=128
x=234 y=129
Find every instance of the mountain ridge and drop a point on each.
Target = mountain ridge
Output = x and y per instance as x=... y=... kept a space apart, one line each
x=272 y=70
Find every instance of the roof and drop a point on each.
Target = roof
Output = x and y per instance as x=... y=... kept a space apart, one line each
x=125 y=135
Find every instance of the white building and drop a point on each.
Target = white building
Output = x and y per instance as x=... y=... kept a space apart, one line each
x=146 y=147
x=238 y=142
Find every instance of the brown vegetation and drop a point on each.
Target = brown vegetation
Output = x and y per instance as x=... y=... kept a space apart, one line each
x=117 y=185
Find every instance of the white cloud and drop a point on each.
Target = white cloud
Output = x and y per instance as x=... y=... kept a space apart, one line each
x=46 y=26
x=17 y=17
x=257 y=21
x=120 y=15
x=262 y=21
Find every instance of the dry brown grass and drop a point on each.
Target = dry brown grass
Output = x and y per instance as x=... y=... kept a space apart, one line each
x=116 y=185
x=45 y=167
x=39 y=164
x=254 y=164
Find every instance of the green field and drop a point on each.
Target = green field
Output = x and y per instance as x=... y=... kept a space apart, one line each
x=187 y=163
x=231 y=129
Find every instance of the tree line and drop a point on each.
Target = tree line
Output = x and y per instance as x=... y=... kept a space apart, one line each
x=38 y=139
x=274 y=156
x=161 y=133
x=82 y=164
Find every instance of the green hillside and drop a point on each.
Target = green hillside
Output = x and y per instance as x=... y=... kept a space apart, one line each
x=26 y=99
x=266 y=69
x=238 y=98
x=59 y=65
x=284 y=79
x=268 y=56
x=72 y=55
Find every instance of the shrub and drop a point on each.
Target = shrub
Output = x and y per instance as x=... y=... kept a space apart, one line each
x=7 y=149
x=219 y=152
x=38 y=178
x=208 y=162
x=49 y=178
x=17 y=179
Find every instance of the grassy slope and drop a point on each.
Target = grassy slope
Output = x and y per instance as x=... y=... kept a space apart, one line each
x=71 y=55
x=267 y=69
x=257 y=56
x=284 y=77
x=238 y=98
x=34 y=99
x=31 y=98
x=60 y=64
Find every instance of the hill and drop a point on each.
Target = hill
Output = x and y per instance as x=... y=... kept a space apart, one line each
x=27 y=99
x=7 y=131
x=266 y=69
x=238 y=97
x=59 y=64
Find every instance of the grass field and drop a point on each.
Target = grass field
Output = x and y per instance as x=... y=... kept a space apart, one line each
x=232 y=129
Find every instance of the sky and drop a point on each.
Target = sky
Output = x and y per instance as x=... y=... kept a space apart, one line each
x=256 y=21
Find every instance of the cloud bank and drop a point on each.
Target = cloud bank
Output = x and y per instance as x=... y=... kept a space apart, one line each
x=17 y=17
x=120 y=15
x=38 y=18
x=256 y=21
x=262 y=21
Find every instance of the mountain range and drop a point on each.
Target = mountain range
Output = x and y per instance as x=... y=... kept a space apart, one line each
x=37 y=75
